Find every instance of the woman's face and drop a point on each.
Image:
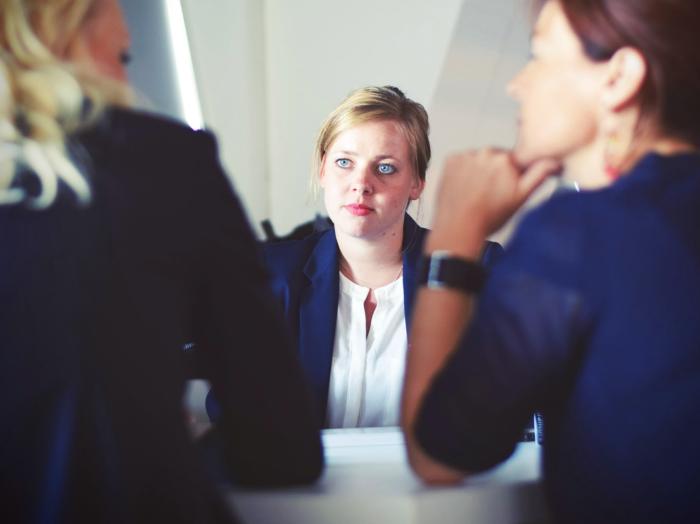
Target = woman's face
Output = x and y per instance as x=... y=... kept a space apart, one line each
x=368 y=179
x=558 y=92
x=103 y=41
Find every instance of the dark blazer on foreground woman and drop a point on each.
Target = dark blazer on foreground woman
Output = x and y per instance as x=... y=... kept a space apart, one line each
x=304 y=278
x=96 y=304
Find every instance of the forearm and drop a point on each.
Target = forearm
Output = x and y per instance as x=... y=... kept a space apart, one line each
x=440 y=318
x=479 y=192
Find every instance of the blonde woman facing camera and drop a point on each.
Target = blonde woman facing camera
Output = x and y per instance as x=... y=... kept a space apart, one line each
x=347 y=293
x=118 y=233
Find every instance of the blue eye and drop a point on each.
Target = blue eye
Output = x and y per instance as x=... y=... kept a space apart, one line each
x=343 y=162
x=386 y=169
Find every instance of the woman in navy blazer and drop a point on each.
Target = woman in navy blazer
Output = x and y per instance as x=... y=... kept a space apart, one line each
x=305 y=279
x=372 y=154
x=110 y=260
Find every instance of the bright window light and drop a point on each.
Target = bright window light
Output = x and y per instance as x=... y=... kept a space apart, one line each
x=182 y=58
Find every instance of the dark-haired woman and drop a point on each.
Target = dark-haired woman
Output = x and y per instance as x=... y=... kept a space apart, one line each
x=593 y=314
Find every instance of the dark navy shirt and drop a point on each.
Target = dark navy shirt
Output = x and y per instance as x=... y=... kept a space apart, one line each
x=592 y=317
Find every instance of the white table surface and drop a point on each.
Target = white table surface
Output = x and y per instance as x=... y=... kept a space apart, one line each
x=367 y=480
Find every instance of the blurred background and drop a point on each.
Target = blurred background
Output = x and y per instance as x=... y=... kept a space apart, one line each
x=263 y=75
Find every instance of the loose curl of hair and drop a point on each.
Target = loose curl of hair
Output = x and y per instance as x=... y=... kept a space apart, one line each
x=372 y=104
x=43 y=99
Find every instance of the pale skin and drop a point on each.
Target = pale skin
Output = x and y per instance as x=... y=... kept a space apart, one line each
x=480 y=190
x=102 y=41
x=368 y=179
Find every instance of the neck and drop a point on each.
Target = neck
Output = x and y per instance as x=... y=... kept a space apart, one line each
x=585 y=166
x=371 y=263
x=672 y=146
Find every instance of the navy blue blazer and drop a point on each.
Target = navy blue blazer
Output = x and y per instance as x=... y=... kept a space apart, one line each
x=593 y=318
x=97 y=302
x=304 y=278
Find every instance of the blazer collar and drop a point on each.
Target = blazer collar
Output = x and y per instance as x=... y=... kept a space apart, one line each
x=319 y=304
x=317 y=316
x=413 y=236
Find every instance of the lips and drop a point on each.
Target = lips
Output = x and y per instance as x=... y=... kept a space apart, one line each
x=358 y=210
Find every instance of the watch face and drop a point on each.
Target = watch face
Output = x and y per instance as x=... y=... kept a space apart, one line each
x=442 y=270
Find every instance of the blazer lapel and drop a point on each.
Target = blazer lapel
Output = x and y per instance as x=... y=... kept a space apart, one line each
x=318 y=312
x=412 y=247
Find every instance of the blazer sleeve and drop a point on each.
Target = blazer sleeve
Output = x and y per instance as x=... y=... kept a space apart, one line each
x=267 y=427
x=518 y=352
x=492 y=253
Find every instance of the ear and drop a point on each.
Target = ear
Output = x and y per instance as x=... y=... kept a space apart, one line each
x=627 y=70
x=417 y=188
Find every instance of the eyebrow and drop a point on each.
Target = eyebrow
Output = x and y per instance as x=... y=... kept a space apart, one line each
x=378 y=157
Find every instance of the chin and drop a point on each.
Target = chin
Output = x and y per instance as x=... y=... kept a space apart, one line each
x=525 y=155
x=523 y=158
x=353 y=228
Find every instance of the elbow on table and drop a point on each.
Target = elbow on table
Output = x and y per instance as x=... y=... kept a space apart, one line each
x=303 y=467
x=281 y=476
x=432 y=472
x=306 y=473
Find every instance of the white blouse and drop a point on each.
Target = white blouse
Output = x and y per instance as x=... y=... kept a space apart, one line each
x=367 y=370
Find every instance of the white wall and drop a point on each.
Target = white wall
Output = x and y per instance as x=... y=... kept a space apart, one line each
x=226 y=41
x=152 y=72
x=269 y=71
x=470 y=107
x=320 y=50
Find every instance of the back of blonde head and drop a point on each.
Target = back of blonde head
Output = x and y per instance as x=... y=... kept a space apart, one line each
x=42 y=98
x=374 y=103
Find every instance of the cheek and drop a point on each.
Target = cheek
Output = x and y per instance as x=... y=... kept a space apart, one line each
x=559 y=118
x=105 y=54
x=571 y=124
x=330 y=181
x=332 y=193
x=399 y=200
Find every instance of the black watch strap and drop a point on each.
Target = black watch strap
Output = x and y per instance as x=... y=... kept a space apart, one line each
x=442 y=269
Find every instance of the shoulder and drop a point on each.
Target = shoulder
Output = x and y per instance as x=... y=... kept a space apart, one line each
x=551 y=241
x=288 y=258
x=149 y=152
x=125 y=135
x=144 y=125
x=413 y=235
x=491 y=253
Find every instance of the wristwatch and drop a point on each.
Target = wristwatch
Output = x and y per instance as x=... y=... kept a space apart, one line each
x=442 y=269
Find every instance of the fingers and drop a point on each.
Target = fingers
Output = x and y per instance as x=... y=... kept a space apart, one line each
x=486 y=187
x=536 y=174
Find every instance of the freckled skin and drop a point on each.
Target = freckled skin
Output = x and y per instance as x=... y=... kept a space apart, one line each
x=361 y=151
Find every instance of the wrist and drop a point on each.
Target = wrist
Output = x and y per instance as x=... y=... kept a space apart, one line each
x=445 y=270
x=461 y=243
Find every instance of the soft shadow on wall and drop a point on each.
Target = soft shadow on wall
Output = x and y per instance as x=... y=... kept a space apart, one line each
x=470 y=107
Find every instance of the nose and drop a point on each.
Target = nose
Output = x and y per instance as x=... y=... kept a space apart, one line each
x=362 y=180
x=515 y=85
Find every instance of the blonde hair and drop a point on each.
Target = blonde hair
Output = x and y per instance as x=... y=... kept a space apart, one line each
x=43 y=99
x=371 y=104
